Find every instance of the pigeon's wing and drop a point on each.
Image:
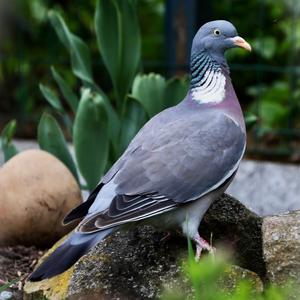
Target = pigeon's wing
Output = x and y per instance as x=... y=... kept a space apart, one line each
x=169 y=164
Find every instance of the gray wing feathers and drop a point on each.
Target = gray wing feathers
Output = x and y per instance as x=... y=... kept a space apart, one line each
x=167 y=164
x=182 y=160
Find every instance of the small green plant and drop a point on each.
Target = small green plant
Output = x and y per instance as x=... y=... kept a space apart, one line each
x=209 y=279
x=8 y=285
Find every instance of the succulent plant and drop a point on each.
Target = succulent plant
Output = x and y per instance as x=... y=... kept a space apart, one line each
x=103 y=126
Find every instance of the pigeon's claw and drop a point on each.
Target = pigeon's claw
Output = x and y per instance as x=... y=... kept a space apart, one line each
x=202 y=244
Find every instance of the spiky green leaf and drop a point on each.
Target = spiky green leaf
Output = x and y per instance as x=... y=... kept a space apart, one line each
x=91 y=137
x=8 y=148
x=119 y=41
x=51 y=97
x=79 y=51
x=52 y=140
x=176 y=90
x=149 y=90
x=65 y=89
x=133 y=119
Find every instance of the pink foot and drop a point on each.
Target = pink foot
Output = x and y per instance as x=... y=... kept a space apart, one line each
x=202 y=244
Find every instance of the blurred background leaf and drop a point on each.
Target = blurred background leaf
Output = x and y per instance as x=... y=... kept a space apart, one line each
x=52 y=140
x=133 y=118
x=91 y=139
x=6 y=145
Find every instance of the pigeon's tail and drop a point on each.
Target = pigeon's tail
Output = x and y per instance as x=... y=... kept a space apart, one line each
x=67 y=254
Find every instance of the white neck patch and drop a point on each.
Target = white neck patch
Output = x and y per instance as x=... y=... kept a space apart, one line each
x=211 y=89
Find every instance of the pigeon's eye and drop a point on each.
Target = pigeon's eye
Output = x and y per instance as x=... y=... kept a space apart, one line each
x=217 y=32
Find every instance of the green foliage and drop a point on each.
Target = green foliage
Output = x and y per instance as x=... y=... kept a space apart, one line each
x=79 y=51
x=51 y=139
x=175 y=90
x=250 y=120
x=119 y=41
x=67 y=92
x=274 y=109
x=91 y=137
x=51 y=97
x=8 y=285
x=274 y=87
x=6 y=144
x=149 y=91
x=155 y=93
x=207 y=280
x=104 y=125
x=133 y=118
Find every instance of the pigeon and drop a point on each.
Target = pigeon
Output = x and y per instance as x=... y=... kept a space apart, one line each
x=179 y=162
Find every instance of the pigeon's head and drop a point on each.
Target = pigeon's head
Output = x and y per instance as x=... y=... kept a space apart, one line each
x=216 y=37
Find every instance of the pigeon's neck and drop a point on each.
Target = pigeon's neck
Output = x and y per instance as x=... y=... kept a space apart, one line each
x=208 y=78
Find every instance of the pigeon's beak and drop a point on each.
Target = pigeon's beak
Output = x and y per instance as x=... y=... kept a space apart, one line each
x=240 y=42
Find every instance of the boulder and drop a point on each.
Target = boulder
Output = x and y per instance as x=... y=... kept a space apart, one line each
x=37 y=190
x=230 y=223
x=281 y=247
x=140 y=264
x=132 y=265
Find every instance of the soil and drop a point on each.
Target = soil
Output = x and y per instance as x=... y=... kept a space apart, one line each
x=15 y=265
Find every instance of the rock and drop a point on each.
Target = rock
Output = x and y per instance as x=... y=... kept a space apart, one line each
x=133 y=265
x=229 y=222
x=55 y=288
x=37 y=190
x=234 y=275
x=5 y=295
x=263 y=178
x=137 y=264
x=281 y=245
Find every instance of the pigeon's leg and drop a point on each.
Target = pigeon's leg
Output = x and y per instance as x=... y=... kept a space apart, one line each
x=202 y=244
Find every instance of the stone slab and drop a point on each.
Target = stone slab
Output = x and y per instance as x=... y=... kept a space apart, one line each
x=267 y=188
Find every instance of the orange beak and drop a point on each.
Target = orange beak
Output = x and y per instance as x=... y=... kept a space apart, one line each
x=240 y=42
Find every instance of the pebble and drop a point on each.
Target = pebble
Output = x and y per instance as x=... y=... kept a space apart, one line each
x=5 y=295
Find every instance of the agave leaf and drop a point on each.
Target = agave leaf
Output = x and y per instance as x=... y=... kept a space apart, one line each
x=149 y=90
x=91 y=137
x=113 y=123
x=9 y=131
x=8 y=148
x=130 y=43
x=65 y=89
x=9 y=151
x=119 y=41
x=51 y=97
x=79 y=52
x=107 y=31
x=176 y=90
x=113 y=118
x=133 y=119
x=52 y=140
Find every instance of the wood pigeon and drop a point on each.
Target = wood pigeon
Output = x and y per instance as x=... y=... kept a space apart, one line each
x=177 y=164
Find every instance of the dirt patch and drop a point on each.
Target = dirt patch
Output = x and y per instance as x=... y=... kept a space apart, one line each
x=15 y=265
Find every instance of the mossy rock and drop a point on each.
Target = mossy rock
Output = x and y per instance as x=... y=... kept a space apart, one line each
x=55 y=288
x=133 y=264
